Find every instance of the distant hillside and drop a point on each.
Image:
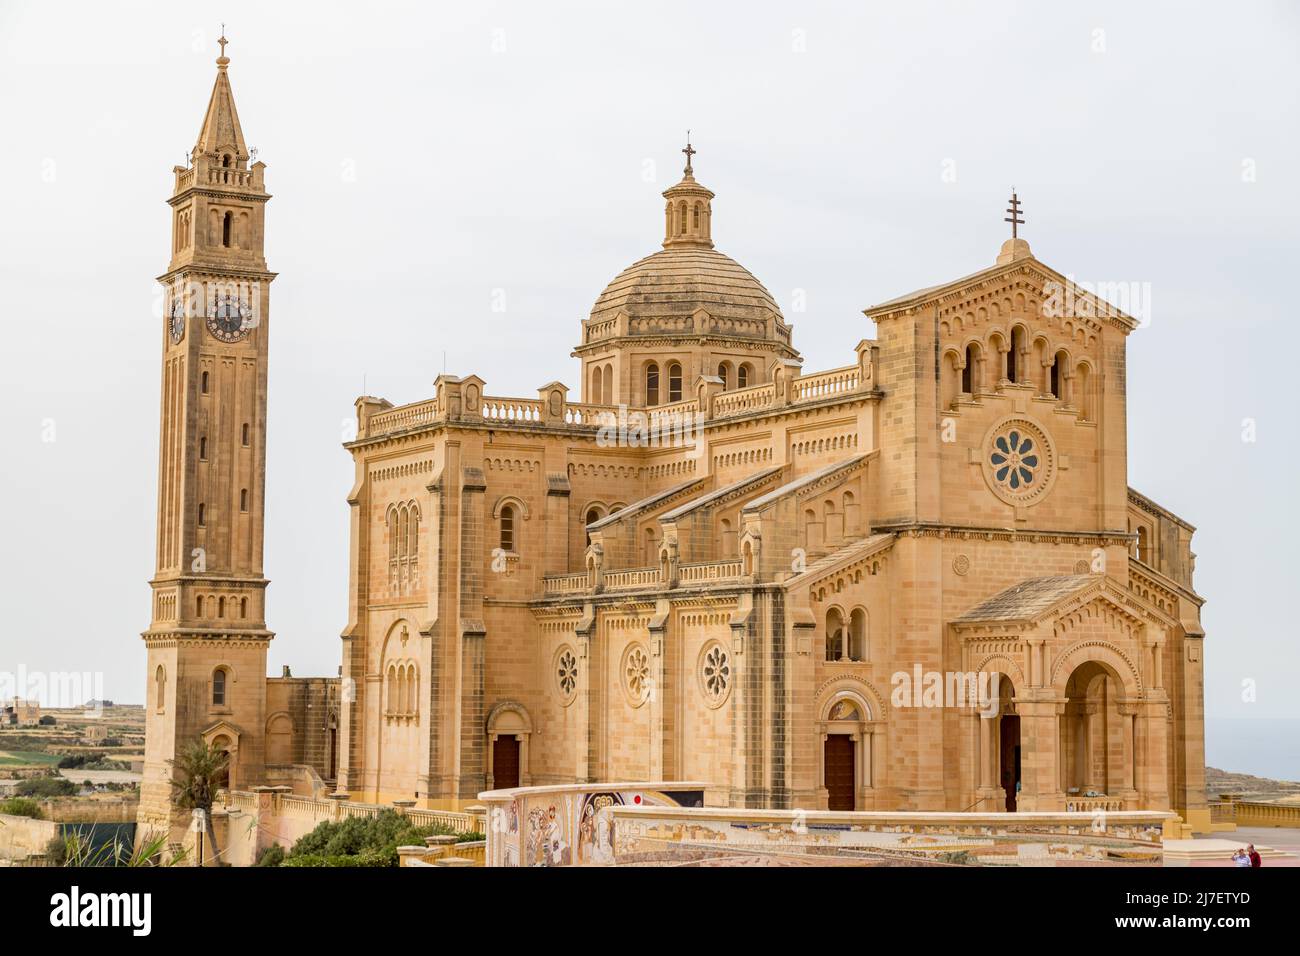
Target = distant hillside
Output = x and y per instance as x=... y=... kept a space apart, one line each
x=1254 y=788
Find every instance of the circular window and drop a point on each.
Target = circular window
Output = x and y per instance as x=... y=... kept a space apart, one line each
x=638 y=683
x=715 y=674
x=1019 y=461
x=566 y=673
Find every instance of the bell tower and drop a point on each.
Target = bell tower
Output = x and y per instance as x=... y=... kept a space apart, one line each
x=207 y=636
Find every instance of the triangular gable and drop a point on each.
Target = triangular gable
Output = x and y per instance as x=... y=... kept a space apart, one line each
x=1034 y=600
x=1083 y=301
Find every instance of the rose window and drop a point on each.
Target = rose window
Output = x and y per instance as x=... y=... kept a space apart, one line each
x=566 y=672
x=1019 y=460
x=715 y=674
x=1015 y=459
x=636 y=674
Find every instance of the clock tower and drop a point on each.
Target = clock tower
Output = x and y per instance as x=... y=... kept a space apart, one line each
x=207 y=637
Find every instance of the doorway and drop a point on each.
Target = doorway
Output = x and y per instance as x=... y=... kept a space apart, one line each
x=505 y=762
x=1009 y=761
x=841 y=772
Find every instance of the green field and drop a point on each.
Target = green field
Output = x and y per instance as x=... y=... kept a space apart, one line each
x=23 y=758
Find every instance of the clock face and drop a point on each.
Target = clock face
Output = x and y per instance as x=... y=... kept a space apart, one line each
x=227 y=318
x=176 y=320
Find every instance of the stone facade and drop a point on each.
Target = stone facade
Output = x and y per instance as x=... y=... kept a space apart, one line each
x=716 y=567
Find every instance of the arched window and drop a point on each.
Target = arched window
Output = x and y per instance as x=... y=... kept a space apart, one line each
x=203 y=383
x=243 y=499
x=858 y=635
x=508 y=528
x=1083 y=392
x=744 y=375
x=219 y=687
x=675 y=382
x=203 y=448
x=652 y=384
x=226 y=221
x=160 y=688
x=244 y=435
x=724 y=373
x=1014 y=371
x=834 y=634
x=202 y=514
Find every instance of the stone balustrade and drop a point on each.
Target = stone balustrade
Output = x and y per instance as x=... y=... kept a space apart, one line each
x=660 y=418
x=710 y=571
x=512 y=409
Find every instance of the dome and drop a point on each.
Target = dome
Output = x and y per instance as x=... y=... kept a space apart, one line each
x=681 y=279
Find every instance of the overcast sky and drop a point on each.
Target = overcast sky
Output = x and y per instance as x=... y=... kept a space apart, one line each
x=423 y=157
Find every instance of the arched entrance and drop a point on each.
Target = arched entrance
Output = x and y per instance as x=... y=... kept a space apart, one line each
x=997 y=746
x=1096 y=734
x=1008 y=755
x=508 y=730
x=848 y=741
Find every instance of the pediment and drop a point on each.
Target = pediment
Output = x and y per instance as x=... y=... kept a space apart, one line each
x=1034 y=601
x=1052 y=289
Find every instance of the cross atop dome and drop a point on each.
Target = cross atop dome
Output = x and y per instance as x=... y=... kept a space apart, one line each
x=688 y=216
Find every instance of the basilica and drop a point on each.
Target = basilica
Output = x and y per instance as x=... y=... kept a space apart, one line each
x=701 y=561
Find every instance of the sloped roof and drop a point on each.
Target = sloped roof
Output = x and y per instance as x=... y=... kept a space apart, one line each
x=1028 y=599
x=719 y=493
x=803 y=481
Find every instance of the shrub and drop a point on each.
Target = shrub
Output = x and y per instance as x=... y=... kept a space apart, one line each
x=363 y=841
x=273 y=855
x=22 y=807
x=46 y=787
x=56 y=851
x=370 y=858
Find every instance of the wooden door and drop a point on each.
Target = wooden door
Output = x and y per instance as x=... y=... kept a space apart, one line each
x=505 y=763
x=840 y=772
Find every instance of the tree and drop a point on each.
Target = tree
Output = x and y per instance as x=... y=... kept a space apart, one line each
x=197 y=773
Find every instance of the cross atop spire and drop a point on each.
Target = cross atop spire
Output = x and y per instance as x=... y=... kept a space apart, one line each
x=689 y=151
x=1014 y=209
x=220 y=133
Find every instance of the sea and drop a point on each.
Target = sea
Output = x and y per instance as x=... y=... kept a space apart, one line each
x=1261 y=746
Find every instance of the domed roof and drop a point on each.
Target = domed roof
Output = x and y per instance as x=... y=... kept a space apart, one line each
x=680 y=279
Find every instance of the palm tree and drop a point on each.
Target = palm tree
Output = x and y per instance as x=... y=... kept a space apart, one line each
x=198 y=771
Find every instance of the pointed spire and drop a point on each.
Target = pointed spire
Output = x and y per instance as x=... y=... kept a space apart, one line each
x=221 y=132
